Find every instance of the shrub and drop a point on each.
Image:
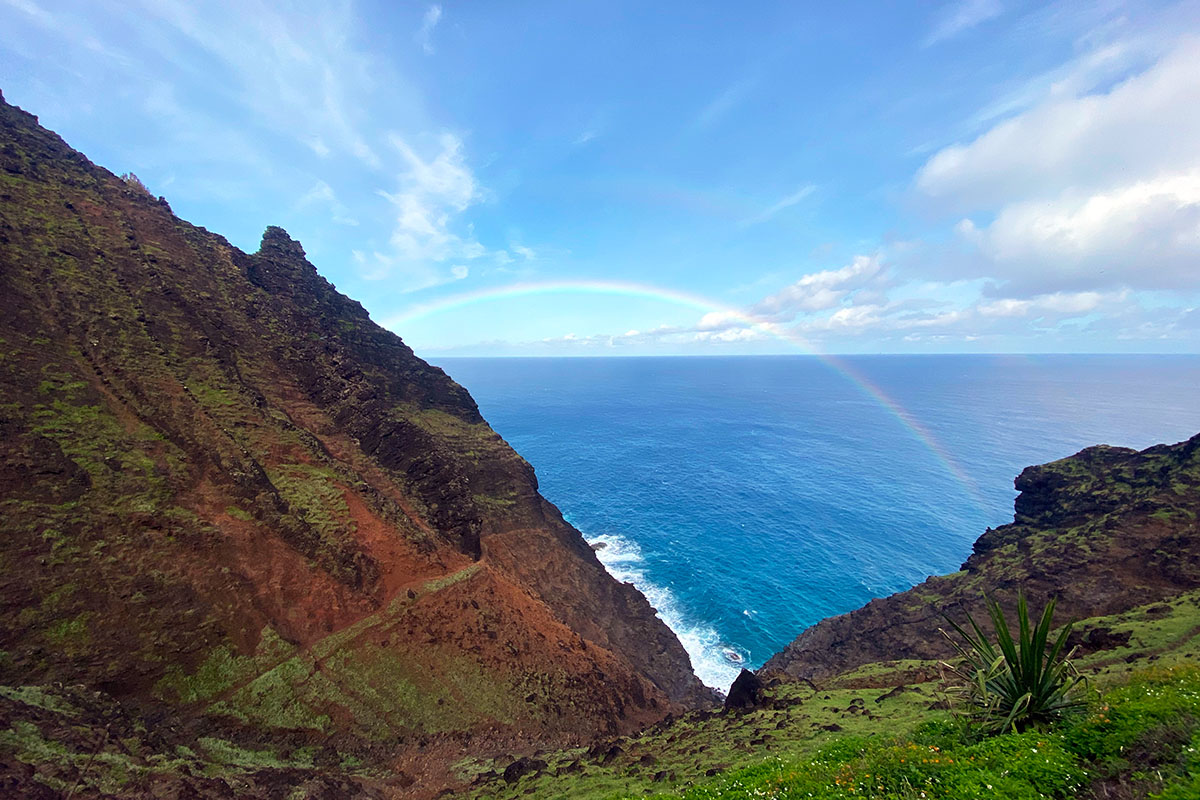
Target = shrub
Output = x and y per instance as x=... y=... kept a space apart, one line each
x=1016 y=683
x=135 y=183
x=1142 y=725
x=1187 y=785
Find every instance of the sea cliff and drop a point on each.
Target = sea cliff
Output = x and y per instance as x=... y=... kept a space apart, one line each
x=1104 y=530
x=232 y=502
x=1111 y=532
x=252 y=546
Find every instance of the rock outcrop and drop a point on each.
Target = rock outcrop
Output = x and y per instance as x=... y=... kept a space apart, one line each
x=227 y=494
x=746 y=691
x=1104 y=530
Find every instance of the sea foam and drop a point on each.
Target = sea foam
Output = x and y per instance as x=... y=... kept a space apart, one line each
x=775 y=486
x=715 y=661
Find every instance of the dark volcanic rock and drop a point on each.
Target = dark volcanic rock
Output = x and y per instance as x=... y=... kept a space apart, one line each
x=1104 y=530
x=521 y=767
x=746 y=691
x=212 y=461
x=1091 y=640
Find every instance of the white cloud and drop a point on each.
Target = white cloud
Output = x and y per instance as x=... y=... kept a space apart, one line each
x=446 y=176
x=322 y=194
x=318 y=146
x=297 y=73
x=1059 y=304
x=1085 y=191
x=725 y=102
x=68 y=25
x=720 y=320
x=731 y=335
x=819 y=290
x=931 y=323
x=1145 y=235
x=433 y=192
x=1147 y=125
x=977 y=320
x=1107 y=64
x=851 y=317
x=962 y=15
x=921 y=311
x=429 y=21
x=785 y=203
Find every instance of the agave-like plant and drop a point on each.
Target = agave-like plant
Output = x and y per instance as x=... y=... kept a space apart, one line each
x=1014 y=684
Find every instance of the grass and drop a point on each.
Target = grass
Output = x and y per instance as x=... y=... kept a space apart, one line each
x=794 y=730
x=222 y=670
x=238 y=513
x=313 y=492
x=1142 y=735
x=75 y=739
x=441 y=423
x=1162 y=634
x=386 y=689
x=799 y=722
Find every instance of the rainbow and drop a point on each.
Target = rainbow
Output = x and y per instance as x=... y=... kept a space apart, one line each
x=725 y=314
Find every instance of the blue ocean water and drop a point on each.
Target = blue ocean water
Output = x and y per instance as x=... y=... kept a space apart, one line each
x=749 y=497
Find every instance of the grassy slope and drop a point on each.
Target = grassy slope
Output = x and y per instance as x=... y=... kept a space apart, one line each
x=1110 y=531
x=804 y=739
x=114 y=389
x=861 y=706
x=230 y=500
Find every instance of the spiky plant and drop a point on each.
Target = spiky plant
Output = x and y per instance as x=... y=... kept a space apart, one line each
x=1013 y=683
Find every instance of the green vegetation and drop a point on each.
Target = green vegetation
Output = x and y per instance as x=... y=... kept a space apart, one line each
x=1014 y=684
x=228 y=754
x=1016 y=767
x=105 y=753
x=222 y=670
x=1132 y=734
x=135 y=183
x=238 y=513
x=385 y=685
x=315 y=495
x=441 y=423
x=1143 y=734
x=491 y=503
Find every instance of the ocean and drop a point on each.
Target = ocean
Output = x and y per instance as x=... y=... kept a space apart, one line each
x=749 y=497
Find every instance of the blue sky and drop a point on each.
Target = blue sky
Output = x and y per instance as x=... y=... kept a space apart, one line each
x=621 y=178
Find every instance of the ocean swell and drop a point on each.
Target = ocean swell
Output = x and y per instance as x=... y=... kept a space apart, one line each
x=715 y=661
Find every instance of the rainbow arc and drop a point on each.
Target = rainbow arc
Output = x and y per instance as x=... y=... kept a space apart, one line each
x=706 y=306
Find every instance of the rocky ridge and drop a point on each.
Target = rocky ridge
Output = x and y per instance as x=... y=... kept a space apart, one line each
x=228 y=495
x=254 y=547
x=1110 y=531
x=1104 y=530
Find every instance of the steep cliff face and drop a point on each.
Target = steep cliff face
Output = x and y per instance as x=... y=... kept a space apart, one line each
x=1104 y=530
x=225 y=491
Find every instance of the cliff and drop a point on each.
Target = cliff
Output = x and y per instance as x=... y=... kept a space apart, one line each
x=1104 y=530
x=229 y=496
x=856 y=706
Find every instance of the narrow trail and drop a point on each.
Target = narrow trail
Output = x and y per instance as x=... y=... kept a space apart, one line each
x=389 y=607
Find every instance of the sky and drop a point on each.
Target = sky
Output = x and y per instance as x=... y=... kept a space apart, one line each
x=621 y=178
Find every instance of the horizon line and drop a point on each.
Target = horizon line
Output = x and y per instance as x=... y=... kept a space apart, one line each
x=803 y=355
